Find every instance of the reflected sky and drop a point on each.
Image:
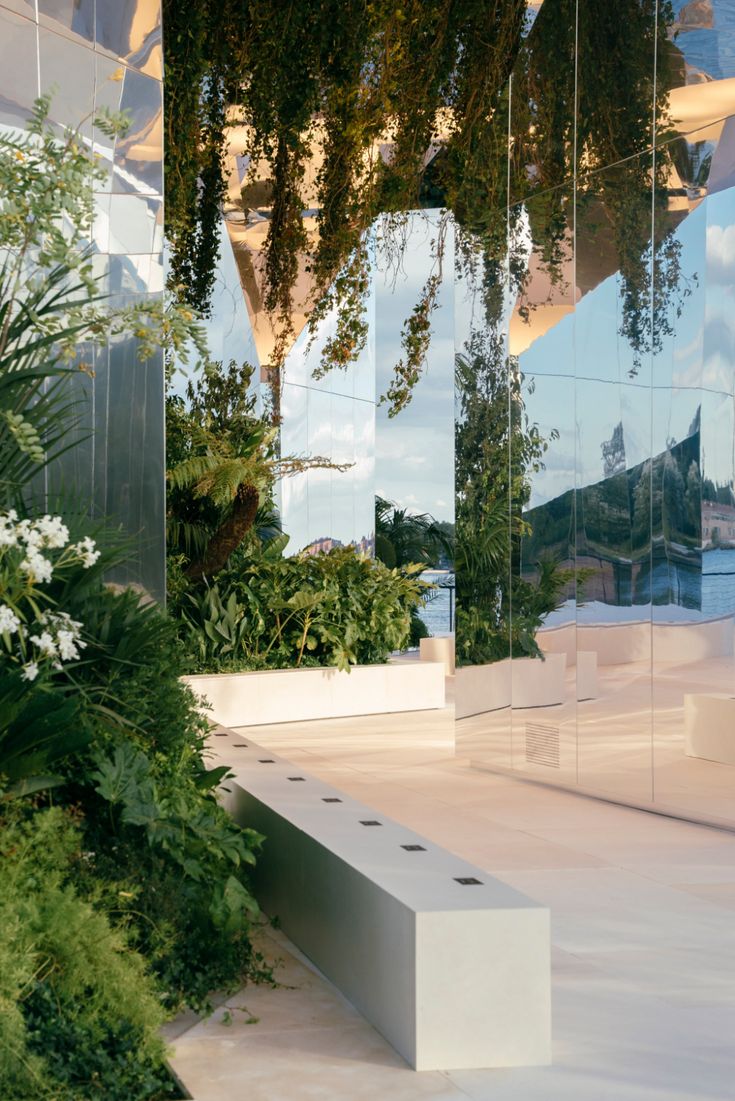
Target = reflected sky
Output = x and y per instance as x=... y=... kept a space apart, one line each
x=414 y=452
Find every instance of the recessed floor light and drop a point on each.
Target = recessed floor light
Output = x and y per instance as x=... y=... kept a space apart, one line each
x=468 y=881
x=370 y=822
x=330 y=799
x=414 y=848
x=266 y=761
x=295 y=778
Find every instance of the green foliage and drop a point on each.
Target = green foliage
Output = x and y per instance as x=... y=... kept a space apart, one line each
x=335 y=608
x=144 y=905
x=151 y=817
x=39 y=728
x=79 y=1013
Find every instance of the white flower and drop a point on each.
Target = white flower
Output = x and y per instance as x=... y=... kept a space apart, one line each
x=34 y=563
x=30 y=671
x=27 y=533
x=9 y=622
x=45 y=643
x=68 y=642
x=52 y=531
x=61 y=619
x=86 y=551
x=8 y=538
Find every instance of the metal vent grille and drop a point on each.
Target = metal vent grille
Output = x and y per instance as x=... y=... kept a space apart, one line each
x=542 y=744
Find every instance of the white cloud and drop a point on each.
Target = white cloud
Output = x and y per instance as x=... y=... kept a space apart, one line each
x=721 y=254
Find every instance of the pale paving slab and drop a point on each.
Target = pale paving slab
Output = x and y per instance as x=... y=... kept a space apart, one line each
x=298 y=1042
x=644 y=941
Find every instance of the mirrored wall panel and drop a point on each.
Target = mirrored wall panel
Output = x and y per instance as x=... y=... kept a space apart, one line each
x=93 y=54
x=595 y=413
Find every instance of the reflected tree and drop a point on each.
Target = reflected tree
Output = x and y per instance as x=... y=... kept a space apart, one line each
x=497 y=450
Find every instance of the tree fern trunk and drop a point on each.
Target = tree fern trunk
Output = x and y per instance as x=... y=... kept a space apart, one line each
x=229 y=535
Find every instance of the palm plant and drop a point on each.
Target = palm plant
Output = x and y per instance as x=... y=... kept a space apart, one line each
x=403 y=538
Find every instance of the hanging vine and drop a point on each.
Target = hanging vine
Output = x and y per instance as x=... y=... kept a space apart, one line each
x=383 y=103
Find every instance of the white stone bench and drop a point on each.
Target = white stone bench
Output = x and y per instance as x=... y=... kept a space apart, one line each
x=709 y=725
x=448 y=963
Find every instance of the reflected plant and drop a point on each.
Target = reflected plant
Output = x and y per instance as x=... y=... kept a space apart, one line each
x=497 y=449
x=322 y=90
x=583 y=85
x=224 y=462
x=52 y=308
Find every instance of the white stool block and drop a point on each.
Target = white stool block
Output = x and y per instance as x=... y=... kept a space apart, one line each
x=709 y=725
x=438 y=648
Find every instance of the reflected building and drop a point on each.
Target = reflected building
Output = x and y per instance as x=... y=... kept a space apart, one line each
x=596 y=345
x=94 y=54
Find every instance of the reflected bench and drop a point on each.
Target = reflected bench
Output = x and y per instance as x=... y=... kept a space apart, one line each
x=448 y=963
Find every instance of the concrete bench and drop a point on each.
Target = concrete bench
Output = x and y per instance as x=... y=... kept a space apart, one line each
x=448 y=963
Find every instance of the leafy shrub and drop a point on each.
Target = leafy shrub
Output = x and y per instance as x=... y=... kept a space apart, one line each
x=143 y=903
x=79 y=1013
x=334 y=608
x=127 y=746
x=151 y=819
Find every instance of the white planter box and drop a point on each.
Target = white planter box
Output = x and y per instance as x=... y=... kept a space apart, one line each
x=296 y=695
x=619 y=643
x=514 y=682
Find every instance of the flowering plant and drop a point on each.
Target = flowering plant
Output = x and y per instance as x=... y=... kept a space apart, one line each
x=33 y=633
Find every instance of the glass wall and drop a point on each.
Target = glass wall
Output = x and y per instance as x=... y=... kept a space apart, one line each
x=595 y=420
x=95 y=53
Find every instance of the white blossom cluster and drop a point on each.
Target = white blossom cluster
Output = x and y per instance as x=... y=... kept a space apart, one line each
x=46 y=533
x=56 y=638
x=53 y=637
